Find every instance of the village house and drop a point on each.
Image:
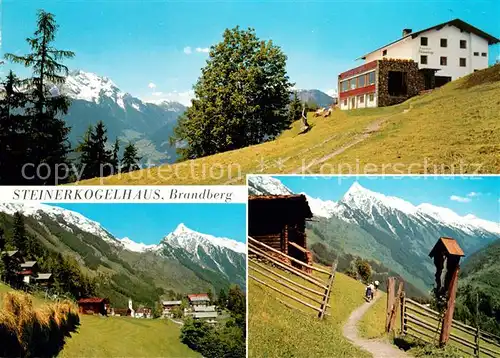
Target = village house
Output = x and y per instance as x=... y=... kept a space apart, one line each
x=28 y=270
x=93 y=305
x=418 y=61
x=199 y=299
x=168 y=306
x=279 y=221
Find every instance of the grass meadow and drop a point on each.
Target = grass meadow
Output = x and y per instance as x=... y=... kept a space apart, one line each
x=451 y=130
x=278 y=331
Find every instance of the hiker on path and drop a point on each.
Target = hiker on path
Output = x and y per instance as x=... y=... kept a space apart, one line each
x=376 y=284
x=369 y=292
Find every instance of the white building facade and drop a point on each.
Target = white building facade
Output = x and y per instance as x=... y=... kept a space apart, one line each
x=443 y=53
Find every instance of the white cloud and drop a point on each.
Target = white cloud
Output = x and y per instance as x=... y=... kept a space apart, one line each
x=174 y=96
x=152 y=85
x=460 y=199
x=187 y=50
x=204 y=50
x=473 y=194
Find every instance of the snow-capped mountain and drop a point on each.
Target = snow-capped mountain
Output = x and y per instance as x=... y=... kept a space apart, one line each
x=387 y=228
x=131 y=245
x=67 y=219
x=221 y=255
x=147 y=125
x=266 y=185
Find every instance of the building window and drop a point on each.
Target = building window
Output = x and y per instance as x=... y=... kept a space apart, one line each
x=443 y=61
x=423 y=60
x=384 y=52
x=371 y=78
x=361 y=81
x=476 y=53
x=352 y=83
x=483 y=54
x=345 y=102
x=361 y=99
x=372 y=97
x=463 y=62
x=344 y=86
x=444 y=42
x=463 y=44
x=423 y=41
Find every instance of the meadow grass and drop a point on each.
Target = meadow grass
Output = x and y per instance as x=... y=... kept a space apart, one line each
x=453 y=129
x=126 y=337
x=278 y=331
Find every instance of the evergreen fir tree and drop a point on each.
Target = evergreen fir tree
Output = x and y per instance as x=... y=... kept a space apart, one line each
x=295 y=109
x=19 y=236
x=13 y=126
x=47 y=132
x=115 y=160
x=95 y=160
x=103 y=157
x=130 y=161
x=2 y=240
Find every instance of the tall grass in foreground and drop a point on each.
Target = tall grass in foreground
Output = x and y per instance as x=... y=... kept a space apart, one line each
x=26 y=331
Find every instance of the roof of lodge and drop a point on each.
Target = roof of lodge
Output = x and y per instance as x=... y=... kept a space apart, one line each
x=450 y=245
x=93 y=300
x=462 y=25
x=44 y=276
x=28 y=264
x=199 y=297
x=171 y=303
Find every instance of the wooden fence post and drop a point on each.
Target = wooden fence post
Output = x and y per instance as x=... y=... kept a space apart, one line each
x=328 y=291
x=450 y=308
x=403 y=311
x=477 y=338
x=390 y=301
x=394 y=311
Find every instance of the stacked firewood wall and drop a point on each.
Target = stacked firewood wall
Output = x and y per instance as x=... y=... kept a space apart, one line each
x=415 y=80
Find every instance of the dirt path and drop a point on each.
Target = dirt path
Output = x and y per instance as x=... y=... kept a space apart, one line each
x=369 y=130
x=379 y=348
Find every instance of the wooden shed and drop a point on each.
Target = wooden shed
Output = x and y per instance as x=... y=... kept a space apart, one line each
x=93 y=305
x=279 y=221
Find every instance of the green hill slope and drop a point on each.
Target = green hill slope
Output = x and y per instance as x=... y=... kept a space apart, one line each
x=479 y=288
x=278 y=331
x=453 y=128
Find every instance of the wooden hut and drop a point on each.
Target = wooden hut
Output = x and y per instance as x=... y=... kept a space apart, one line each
x=279 y=221
x=93 y=305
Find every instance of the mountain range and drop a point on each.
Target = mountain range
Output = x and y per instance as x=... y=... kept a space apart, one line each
x=387 y=229
x=184 y=261
x=315 y=96
x=148 y=125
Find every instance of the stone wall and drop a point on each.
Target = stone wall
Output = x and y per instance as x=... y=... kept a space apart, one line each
x=414 y=80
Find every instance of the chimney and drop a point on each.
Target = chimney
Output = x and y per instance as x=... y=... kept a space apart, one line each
x=406 y=32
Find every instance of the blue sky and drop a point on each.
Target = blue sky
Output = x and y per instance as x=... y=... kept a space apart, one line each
x=149 y=223
x=142 y=45
x=464 y=195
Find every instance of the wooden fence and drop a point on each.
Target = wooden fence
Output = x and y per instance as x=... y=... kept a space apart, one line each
x=308 y=285
x=424 y=323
